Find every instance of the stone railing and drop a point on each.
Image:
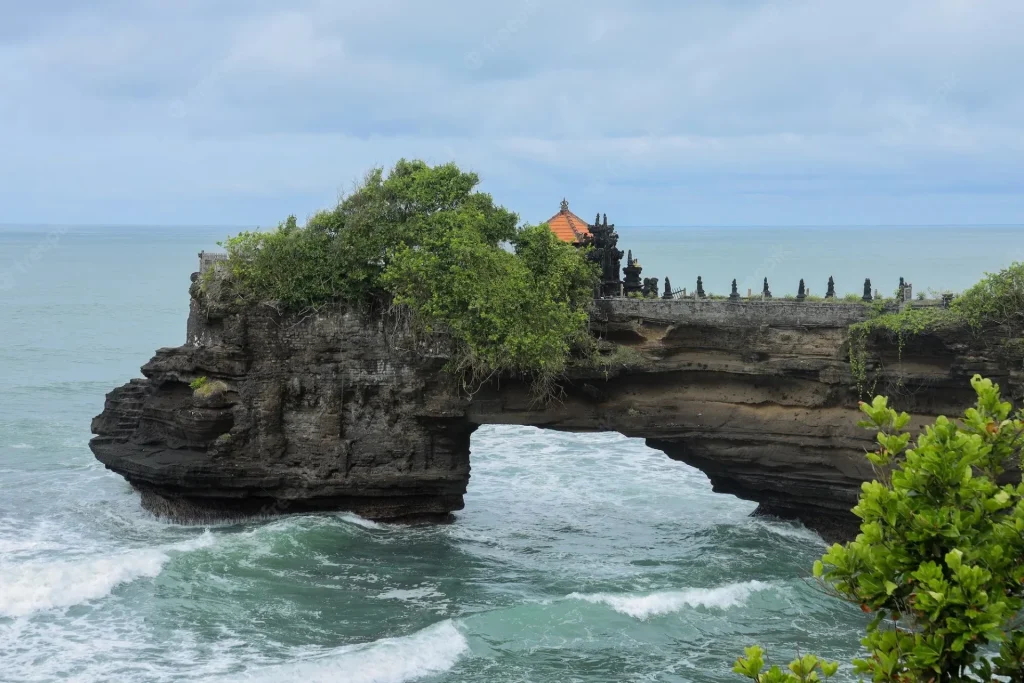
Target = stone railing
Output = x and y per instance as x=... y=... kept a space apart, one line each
x=737 y=313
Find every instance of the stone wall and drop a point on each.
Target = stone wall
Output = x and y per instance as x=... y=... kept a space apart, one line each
x=207 y=259
x=735 y=313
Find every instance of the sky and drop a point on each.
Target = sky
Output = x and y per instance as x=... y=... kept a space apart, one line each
x=656 y=112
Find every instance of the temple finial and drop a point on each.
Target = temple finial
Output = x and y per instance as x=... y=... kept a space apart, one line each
x=565 y=205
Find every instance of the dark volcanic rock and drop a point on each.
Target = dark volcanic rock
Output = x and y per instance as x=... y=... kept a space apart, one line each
x=338 y=410
x=328 y=411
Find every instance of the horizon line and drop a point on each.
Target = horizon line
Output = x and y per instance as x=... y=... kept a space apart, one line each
x=245 y=226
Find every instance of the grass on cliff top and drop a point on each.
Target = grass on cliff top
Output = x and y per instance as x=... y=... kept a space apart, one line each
x=512 y=299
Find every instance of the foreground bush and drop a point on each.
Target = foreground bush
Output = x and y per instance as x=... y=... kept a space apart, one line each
x=939 y=562
x=512 y=299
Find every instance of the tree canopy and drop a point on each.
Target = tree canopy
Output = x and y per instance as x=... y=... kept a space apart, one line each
x=513 y=298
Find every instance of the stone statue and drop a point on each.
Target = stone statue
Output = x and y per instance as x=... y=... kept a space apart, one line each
x=668 y=290
x=632 y=282
x=700 y=289
x=766 y=293
x=650 y=287
x=603 y=241
x=867 y=289
x=831 y=293
x=801 y=292
x=734 y=295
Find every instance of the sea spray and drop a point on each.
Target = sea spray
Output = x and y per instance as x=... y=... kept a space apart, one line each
x=428 y=652
x=666 y=602
x=37 y=585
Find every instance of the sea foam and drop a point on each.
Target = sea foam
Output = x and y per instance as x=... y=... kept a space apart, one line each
x=432 y=651
x=28 y=587
x=666 y=602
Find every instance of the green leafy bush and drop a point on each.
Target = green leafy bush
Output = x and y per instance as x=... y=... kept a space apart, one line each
x=513 y=300
x=939 y=562
x=198 y=383
x=997 y=299
x=806 y=669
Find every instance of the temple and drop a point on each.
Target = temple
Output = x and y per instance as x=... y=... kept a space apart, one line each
x=605 y=253
x=601 y=238
x=569 y=227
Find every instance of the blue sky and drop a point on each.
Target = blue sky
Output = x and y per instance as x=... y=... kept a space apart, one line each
x=659 y=112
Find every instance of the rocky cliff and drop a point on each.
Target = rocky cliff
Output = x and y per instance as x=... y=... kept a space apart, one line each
x=342 y=410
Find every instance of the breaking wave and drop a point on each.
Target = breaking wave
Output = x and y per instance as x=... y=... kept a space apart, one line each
x=666 y=602
x=28 y=587
x=432 y=651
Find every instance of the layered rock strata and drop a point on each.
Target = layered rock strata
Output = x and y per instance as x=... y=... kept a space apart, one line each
x=344 y=410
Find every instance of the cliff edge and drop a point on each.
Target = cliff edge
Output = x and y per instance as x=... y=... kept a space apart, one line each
x=345 y=410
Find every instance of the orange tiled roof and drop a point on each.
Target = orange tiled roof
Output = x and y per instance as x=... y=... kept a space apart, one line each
x=567 y=226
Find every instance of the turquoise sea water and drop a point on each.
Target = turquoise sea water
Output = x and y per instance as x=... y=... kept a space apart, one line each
x=577 y=558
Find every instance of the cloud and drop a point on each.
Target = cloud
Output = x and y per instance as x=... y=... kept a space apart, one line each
x=698 y=112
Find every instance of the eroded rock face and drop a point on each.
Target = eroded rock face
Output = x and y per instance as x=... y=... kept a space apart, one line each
x=323 y=412
x=343 y=411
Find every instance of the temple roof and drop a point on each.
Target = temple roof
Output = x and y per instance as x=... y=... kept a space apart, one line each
x=567 y=226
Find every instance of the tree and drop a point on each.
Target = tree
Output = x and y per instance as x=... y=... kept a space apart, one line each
x=424 y=240
x=939 y=561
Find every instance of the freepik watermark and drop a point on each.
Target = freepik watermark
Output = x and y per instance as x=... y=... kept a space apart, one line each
x=513 y=26
x=27 y=261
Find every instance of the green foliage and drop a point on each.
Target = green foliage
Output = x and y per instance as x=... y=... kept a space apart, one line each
x=619 y=357
x=198 y=383
x=520 y=312
x=806 y=669
x=207 y=388
x=423 y=238
x=898 y=326
x=939 y=561
x=998 y=299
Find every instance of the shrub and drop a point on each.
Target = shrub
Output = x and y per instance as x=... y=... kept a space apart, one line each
x=198 y=383
x=423 y=238
x=208 y=388
x=939 y=561
x=998 y=299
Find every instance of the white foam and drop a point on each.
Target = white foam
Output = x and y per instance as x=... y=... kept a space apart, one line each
x=410 y=593
x=28 y=587
x=431 y=651
x=666 y=602
x=353 y=518
x=21 y=445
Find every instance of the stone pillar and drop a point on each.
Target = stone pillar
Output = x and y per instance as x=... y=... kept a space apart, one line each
x=831 y=293
x=801 y=294
x=734 y=295
x=867 y=289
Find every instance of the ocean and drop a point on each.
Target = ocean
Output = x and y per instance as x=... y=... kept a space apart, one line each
x=585 y=558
